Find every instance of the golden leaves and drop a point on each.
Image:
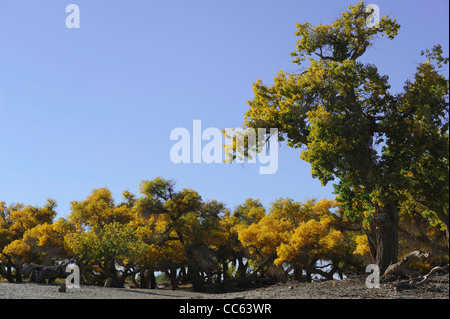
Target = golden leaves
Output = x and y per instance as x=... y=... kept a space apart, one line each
x=362 y=247
x=294 y=233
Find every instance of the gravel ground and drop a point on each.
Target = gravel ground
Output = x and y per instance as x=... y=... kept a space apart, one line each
x=351 y=288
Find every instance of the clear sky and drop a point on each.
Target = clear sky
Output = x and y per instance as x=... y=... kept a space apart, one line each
x=94 y=107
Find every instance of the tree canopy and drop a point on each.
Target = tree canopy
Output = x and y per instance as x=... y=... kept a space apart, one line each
x=191 y=240
x=378 y=148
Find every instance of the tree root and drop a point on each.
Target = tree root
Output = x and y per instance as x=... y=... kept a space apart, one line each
x=401 y=268
x=432 y=272
x=417 y=279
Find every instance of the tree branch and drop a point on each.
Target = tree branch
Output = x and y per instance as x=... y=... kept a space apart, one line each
x=433 y=271
x=401 y=267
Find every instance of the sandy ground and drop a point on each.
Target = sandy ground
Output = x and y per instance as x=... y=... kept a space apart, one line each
x=351 y=288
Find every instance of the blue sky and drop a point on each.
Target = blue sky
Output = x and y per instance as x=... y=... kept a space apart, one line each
x=94 y=107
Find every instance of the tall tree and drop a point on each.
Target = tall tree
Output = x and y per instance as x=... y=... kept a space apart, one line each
x=340 y=112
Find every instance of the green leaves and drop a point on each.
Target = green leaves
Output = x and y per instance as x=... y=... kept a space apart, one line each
x=435 y=53
x=347 y=38
x=114 y=242
x=417 y=127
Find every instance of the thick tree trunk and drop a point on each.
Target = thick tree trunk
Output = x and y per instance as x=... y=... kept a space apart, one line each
x=308 y=276
x=113 y=280
x=384 y=236
x=152 y=279
x=172 y=274
x=298 y=273
x=195 y=276
x=242 y=268
x=19 y=274
x=147 y=279
x=196 y=279
x=7 y=274
x=143 y=279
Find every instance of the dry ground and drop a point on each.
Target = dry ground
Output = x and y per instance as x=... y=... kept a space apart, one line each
x=351 y=288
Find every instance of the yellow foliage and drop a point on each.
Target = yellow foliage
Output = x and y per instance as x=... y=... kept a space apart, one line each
x=18 y=251
x=362 y=245
x=264 y=237
x=313 y=238
x=331 y=240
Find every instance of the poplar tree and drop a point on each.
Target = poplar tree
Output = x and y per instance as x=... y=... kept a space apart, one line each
x=378 y=148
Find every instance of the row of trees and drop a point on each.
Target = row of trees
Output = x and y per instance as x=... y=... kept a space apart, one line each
x=387 y=155
x=192 y=240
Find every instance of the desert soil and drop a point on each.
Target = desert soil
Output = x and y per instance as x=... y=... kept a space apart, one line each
x=351 y=288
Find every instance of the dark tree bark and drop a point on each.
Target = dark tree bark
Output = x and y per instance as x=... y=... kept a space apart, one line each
x=225 y=274
x=298 y=273
x=18 y=274
x=172 y=274
x=152 y=279
x=194 y=273
x=242 y=268
x=114 y=279
x=7 y=274
x=147 y=279
x=383 y=237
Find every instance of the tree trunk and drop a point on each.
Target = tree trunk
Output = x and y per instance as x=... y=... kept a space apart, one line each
x=135 y=284
x=172 y=274
x=143 y=280
x=384 y=236
x=111 y=272
x=115 y=282
x=183 y=276
x=242 y=268
x=298 y=273
x=7 y=274
x=194 y=269
x=308 y=276
x=196 y=278
x=225 y=272
x=147 y=278
x=152 y=279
